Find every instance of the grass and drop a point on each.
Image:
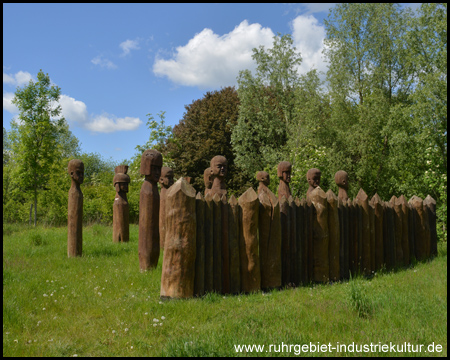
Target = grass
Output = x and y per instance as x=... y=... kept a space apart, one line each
x=102 y=305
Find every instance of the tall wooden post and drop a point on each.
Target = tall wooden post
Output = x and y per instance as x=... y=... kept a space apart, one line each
x=430 y=204
x=249 y=242
x=377 y=204
x=199 y=279
x=217 y=243
x=321 y=271
x=363 y=202
x=233 y=244
x=209 y=246
x=334 y=235
x=285 y=249
x=178 y=269
x=269 y=240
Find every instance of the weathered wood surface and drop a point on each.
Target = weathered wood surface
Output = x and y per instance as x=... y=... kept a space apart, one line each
x=199 y=279
x=269 y=240
x=217 y=243
x=285 y=249
x=405 y=234
x=178 y=269
x=148 y=226
x=377 y=204
x=334 y=236
x=75 y=223
x=363 y=202
x=422 y=228
x=225 y=248
x=321 y=267
x=121 y=219
x=209 y=246
x=292 y=242
x=430 y=204
x=233 y=244
x=249 y=242
x=398 y=229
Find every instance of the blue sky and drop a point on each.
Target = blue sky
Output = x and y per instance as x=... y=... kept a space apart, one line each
x=115 y=63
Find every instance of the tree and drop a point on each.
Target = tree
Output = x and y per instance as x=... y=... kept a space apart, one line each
x=204 y=132
x=34 y=135
x=368 y=76
x=267 y=106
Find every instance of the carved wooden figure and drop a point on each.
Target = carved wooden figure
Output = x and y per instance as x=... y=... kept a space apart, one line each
x=341 y=179
x=151 y=163
x=313 y=177
x=284 y=174
x=264 y=181
x=121 y=209
x=219 y=168
x=75 y=209
x=166 y=181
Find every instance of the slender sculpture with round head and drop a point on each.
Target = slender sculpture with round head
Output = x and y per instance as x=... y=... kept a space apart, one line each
x=341 y=179
x=313 y=176
x=219 y=169
x=121 y=209
x=75 y=209
x=284 y=174
x=149 y=247
x=208 y=180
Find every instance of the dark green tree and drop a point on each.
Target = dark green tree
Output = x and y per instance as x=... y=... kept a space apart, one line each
x=204 y=132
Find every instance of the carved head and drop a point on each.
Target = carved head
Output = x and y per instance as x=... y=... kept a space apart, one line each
x=151 y=163
x=341 y=179
x=313 y=176
x=263 y=176
x=166 y=179
x=76 y=170
x=207 y=178
x=219 y=166
x=121 y=182
x=284 y=171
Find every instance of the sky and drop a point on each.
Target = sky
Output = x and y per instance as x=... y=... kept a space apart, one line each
x=116 y=63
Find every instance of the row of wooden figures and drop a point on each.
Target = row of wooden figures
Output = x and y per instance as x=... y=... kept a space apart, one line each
x=152 y=204
x=300 y=225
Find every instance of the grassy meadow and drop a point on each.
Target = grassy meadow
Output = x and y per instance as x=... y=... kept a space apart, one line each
x=102 y=305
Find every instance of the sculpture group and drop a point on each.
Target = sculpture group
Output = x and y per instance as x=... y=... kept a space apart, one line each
x=259 y=241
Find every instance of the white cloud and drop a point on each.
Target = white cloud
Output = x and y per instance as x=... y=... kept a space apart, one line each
x=308 y=36
x=104 y=63
x=210 y=60
x=18 y=79
x=76 y=113
x=129 y=45
x=7 y=104
x=106 y=123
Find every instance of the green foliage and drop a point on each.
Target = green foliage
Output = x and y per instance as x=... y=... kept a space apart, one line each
x=267 y=106
x=39 y=137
